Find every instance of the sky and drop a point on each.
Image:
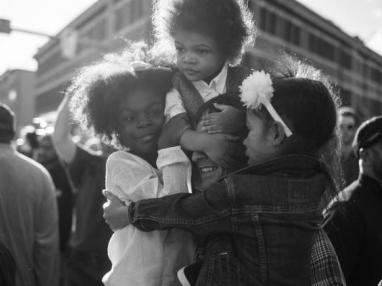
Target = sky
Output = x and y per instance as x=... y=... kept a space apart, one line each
x=362 y=18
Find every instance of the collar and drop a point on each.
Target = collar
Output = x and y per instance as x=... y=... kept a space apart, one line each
x=218 y=83
x=295 y=165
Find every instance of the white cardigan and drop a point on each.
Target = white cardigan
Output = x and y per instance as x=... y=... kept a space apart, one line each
x=148 y=258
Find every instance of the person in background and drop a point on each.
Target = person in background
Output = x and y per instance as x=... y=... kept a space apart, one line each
x=354 y=221
x=348 y=122
x=87 y=259
x=47 y=156
x=28 y=212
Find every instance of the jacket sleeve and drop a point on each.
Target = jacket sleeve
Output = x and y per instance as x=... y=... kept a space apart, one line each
x=203 y=213
x=345 y=230
x=46 y=254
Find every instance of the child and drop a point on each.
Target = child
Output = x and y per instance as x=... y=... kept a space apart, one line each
x=261 y=221
x=123 y=101
x=209 y=37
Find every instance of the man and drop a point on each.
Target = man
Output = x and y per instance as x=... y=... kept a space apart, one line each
x=88 y=261
x=28 y=211
x=355 y=220
x=348 y=122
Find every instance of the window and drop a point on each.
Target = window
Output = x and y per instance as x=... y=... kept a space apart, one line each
x=345 y=59
x=375 y=75
x=321 y=47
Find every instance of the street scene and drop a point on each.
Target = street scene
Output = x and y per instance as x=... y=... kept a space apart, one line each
x=190 y=142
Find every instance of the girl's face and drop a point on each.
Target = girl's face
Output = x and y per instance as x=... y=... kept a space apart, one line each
x=198 y=56
x=140 y=120
x=258 y=143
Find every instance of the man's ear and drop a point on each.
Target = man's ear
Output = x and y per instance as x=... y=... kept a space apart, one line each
x=278 y=133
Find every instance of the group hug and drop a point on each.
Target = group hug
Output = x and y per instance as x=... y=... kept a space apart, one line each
x=222 y=173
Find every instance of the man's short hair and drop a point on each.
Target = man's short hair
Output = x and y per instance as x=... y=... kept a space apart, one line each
x=369 y=133
x=7 y=125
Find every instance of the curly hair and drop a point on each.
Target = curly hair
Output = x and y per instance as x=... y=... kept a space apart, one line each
x=98 y=89
x=228 y=22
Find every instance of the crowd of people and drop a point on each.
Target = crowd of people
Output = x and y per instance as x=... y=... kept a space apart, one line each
x=199 y=171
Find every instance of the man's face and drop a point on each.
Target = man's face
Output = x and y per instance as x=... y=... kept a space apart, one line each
x=348 y=128
x=206 y=171
x=45 y=151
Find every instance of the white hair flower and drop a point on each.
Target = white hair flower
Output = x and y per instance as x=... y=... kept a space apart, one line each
x=256 y=91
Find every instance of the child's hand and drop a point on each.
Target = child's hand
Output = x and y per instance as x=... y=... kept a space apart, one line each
x=172 y=131
x=221 y=148
x=226 y=121
x=115 y=212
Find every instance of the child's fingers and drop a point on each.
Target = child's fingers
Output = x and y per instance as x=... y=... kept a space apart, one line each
x=215 y=131
x=209 y=121
x=222 y=107
x=110 y=196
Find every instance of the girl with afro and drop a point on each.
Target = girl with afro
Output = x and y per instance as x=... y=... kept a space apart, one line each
x=207 y=39
x=122 y=98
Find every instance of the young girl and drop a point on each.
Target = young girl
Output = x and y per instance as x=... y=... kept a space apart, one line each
x=123 y=100
x=208 y=38
x=261 y=221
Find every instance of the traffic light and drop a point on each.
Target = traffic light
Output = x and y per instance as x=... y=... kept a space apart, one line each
x=5 y=26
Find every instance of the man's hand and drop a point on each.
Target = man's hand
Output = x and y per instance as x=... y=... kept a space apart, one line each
x=225 y=121
x=115 y=212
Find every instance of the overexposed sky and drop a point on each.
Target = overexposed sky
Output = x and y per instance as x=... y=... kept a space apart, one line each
x=361 y=18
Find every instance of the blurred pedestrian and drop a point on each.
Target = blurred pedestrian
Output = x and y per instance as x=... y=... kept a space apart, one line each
x=348 y=123
x=354 y=224
x=46 y=155
x=88 y=260
x=28 y=211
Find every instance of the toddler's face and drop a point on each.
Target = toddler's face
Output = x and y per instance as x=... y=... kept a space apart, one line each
x=140 y=120
x=198 y=56
x=258 y=142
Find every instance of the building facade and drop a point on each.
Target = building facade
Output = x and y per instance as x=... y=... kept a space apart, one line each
x=352 y=67
x=104 y=27
x=283 y=25
x=17 y=91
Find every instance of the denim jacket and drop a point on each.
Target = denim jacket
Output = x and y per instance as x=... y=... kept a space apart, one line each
x=259 y=222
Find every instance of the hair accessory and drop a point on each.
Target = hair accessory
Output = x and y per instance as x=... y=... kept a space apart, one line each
x=257 y=90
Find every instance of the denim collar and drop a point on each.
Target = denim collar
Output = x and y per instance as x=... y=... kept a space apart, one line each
x=295 y=165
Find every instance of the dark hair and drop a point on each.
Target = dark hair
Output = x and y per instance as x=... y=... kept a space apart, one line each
x=309 y=110
x=229 y=22
x=98 y=90
x=7 y=125
x=305 y=99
